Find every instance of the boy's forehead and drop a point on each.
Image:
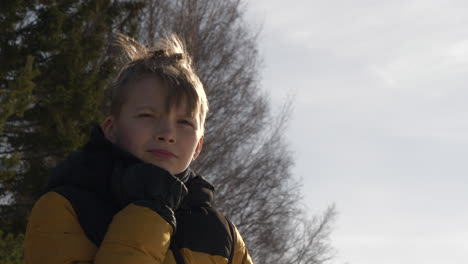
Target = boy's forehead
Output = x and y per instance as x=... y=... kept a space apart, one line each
x=179 y=110
x=147 y=86
x=146 y=92
x=154 y=94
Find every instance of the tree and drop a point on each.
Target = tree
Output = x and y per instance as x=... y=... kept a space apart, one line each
x=11 y=248
x=53 y=85
x=51 y=89
x=244 y=153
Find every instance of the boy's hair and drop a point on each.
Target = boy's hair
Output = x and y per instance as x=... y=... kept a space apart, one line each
x=168 y=60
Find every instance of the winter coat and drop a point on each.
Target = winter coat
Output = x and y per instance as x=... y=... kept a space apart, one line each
x=77 y=220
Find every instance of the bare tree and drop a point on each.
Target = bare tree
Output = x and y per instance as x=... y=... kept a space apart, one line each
x=311 y=240
x=244 y=153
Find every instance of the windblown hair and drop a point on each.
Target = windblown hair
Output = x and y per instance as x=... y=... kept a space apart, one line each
x=168 y=60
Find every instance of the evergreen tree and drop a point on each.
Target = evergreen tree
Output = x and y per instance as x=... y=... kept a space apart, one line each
x=11 y=248
x=54 y=71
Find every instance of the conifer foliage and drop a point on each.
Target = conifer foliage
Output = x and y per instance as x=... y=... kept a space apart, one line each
x=53 y=74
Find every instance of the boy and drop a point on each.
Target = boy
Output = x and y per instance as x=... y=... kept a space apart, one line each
x=128 y=196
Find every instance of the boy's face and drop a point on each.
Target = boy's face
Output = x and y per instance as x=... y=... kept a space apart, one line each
x=170 y=140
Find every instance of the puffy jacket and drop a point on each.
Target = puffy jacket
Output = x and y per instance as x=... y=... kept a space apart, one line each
x=77 y=221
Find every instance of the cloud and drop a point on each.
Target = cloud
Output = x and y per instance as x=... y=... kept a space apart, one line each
x=380 y=119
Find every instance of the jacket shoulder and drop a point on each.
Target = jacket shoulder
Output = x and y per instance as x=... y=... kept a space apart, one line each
x=241 y=254
x=54 y=210
x=53 y=233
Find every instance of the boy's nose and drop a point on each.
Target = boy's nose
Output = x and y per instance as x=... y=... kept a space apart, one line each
x=165 y=138
x=165 y=132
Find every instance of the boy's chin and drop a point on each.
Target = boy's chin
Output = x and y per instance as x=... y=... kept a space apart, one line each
x=162 y=166
x=166 y=165
x=167 y=168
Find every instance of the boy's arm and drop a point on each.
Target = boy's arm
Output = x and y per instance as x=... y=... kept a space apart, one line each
x=143 y=229
x=54 y=236
x=136 y=235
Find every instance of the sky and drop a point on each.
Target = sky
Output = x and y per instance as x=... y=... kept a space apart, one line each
x=380 y=120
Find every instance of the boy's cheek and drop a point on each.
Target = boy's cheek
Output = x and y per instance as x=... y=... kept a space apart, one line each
x=126 y=140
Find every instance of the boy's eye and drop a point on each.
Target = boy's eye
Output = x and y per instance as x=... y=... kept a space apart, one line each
x=145 y=115
x=186 y=122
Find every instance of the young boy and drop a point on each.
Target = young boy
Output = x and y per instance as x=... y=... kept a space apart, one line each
x=128 y=196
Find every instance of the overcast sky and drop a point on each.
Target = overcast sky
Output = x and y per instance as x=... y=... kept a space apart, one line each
x=380 y=120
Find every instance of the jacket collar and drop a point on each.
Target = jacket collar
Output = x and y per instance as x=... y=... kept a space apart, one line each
x=91 y=167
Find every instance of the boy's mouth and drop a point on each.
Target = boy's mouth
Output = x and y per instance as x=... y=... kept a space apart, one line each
x=162 y=153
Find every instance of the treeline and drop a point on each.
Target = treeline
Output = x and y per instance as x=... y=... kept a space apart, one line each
x=57 y=63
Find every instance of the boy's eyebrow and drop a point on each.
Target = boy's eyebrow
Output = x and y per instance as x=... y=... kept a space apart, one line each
x=145 y=107
x=148 y=107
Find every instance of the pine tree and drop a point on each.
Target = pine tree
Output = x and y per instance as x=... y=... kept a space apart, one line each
x=54 y=71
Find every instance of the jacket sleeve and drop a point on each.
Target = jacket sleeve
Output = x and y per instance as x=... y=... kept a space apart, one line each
x=54 y=236
x=241 y=254
x=136 y=235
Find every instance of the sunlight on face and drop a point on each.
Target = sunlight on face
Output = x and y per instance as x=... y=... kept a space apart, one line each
x=168 y=139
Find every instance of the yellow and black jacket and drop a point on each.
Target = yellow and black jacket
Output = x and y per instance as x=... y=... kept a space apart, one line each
x=77 y=220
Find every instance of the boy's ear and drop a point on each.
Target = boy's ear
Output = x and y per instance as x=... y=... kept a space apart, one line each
x=109 y=129
x=198 y=148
